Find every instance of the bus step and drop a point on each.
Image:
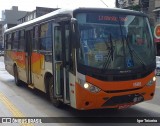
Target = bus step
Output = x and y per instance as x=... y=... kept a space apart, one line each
x=31 y=86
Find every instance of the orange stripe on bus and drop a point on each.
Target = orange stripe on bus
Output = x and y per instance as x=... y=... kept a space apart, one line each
x=19 y=58
x=36 y=57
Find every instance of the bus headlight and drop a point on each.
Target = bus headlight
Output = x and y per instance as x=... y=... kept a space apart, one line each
x=151 y=81
x=88 y=86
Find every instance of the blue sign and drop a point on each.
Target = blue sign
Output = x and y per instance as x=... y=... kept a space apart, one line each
x=129 y=62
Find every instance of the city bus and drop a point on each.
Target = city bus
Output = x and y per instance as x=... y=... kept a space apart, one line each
x=87 y=58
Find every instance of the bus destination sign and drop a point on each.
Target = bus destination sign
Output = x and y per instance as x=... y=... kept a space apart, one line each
x=99 y=18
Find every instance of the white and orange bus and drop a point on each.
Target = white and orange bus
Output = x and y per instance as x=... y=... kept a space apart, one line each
x=88 y=58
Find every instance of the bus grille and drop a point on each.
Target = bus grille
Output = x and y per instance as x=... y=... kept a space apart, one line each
x=116 y=100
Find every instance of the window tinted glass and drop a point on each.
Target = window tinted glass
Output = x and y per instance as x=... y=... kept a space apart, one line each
x=15 y=40
x=45 y=37
x=21 y=40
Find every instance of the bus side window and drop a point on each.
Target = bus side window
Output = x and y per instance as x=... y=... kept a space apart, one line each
x=15 y=40
x=5 y=38
x=67 y=42
x=58 y=43
x=21 y=40
x=8 y=41
x=45 y=37
x=68 y=48
x=35 y=38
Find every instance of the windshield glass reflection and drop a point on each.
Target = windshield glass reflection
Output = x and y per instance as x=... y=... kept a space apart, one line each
x=115 y=42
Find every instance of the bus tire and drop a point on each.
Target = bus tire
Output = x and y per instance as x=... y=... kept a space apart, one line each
x=16 y=77
x=57 y=103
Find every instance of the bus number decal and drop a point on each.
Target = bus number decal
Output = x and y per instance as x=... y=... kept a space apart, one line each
x=137 y=84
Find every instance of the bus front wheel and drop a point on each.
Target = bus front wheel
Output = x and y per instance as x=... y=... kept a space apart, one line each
x=16 y=78
x=54 y=100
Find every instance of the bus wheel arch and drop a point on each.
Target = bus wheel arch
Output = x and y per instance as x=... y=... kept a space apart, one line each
x=16 y=75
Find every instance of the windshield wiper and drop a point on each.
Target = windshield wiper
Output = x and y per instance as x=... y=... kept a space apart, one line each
x=111 y=43
x=132 y=51
x=110 y=53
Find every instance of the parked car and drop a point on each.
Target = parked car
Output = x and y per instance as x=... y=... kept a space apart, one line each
x=157 y=65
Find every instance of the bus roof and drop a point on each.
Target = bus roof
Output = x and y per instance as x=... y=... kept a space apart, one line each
x=51 y=14
x=70 y=12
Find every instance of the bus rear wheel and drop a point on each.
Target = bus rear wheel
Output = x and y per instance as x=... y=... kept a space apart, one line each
x=16 y=77
x=54 y=100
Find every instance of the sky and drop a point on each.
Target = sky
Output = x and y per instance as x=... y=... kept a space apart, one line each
x=30 y=5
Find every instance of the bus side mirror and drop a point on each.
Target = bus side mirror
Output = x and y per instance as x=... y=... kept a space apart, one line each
x=75 y=33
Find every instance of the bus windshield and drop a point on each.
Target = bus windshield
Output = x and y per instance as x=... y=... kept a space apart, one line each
x=114 y=41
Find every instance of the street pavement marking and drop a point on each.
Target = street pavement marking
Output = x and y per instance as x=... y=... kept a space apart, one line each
x=13 y=109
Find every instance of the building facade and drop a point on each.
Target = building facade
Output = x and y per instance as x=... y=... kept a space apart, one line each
x=128 y=4
x=9 y=19
x=36 y=13
x=157 y=11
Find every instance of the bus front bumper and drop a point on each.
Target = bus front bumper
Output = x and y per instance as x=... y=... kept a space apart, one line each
x=86 y=100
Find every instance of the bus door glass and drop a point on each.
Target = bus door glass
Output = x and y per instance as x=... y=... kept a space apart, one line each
x=57 y=60
x=28 y=55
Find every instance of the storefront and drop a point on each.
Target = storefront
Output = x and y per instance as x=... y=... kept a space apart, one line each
x=157 y=38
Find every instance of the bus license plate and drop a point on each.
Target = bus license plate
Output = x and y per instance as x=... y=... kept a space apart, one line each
x=124 y=106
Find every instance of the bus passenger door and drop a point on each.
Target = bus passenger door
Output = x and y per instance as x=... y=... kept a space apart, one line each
x=66 y=51
x=61 y=53
x=28 y=56
x=57 y=61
